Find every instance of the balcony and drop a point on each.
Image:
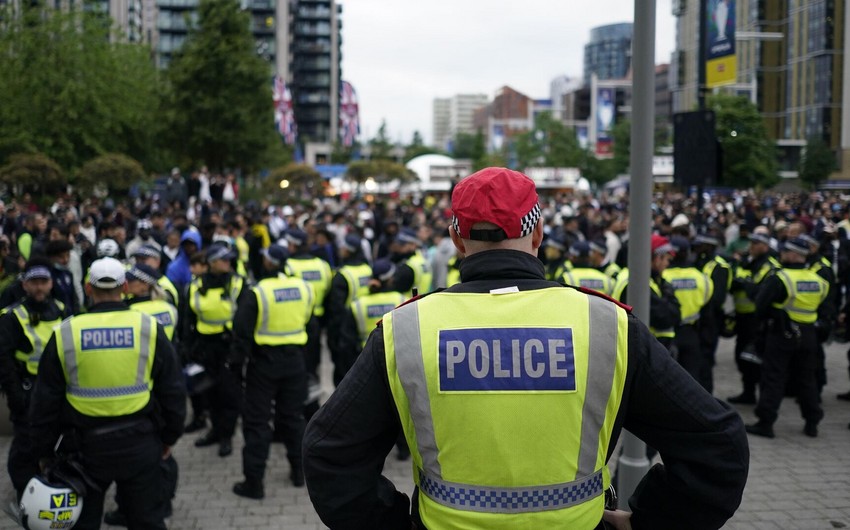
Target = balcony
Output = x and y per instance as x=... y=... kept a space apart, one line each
x=322 y=63
x=314 y=13
x=177 y=4
x=313 y=47
x=315 y=115
x=260 y=5
x=314 y=98
x=314 y=81
x=313 y=30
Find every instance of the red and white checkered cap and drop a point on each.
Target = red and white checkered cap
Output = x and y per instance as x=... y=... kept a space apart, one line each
x=505 y=198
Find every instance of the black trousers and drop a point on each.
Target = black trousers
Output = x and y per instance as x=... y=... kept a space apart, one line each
x=22 y=463
x=278 y=379
x=313 y=348
x=690 y=353
x=169 y=473
x=225 y=396
x=133 y=463
x=747 y=330
x=786 y=358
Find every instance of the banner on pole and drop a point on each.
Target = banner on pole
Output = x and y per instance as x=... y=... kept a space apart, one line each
x=721 y=63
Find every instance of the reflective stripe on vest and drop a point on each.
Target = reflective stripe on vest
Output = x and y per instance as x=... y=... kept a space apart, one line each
x=107 y=359
x=357 y=278
x=435 y=424
x=36 y=335
x=743 y=304
x=163 y=312
x=369 y=309
x=284 y=305
x=659 y=333
x=693 y=290
x=213 y=311
x=169 y=287
x=589 y=278
x=316 y=272
x=806 y=291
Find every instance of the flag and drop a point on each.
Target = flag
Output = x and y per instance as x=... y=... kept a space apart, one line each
x=349 y=114
x=284 y=116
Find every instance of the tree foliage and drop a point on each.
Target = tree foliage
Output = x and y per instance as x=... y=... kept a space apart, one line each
x=381 y=148
x=219 y=106
x=622 y=134
x=417 y=147
x=749 y=155
x=68 y=92
x=380 y=170
x=548 y=144
x=817 y=163
x=33 y=172
x=115 y=172
x=292 y=181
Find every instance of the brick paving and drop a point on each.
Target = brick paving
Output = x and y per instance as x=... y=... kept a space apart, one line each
x=795 y=482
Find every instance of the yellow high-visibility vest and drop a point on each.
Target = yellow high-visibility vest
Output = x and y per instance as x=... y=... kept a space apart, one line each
x=315 y=271
x=285 y=306
x=357 y=278
x=806 y=292
x=369 y=309
x=216 y=307
x=693 y=290
x=422 y=274
x=107 y=360
x=37 y=335
x=589 y=278
x=162 y=311
x=465 y=369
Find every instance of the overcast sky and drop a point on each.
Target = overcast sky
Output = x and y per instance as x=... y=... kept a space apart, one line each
x=401 y=54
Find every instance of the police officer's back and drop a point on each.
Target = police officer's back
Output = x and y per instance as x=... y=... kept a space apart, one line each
x=109 y=381
x=510 y=386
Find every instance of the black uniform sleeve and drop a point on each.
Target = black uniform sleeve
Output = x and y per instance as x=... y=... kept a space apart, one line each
x=10 y=377
x=243 y=327
x=169 y=390
x=403 y=279
x=771 y=290
x=48 y=401
x=186 y=325
x=701 y=440
x=335 y=309
x=719 y=279
x=345 y=446
x=664 y=310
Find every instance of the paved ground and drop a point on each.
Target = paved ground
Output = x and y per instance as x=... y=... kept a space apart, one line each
x=795 y=482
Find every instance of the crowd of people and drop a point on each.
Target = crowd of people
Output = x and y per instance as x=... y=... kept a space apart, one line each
x=247 y=293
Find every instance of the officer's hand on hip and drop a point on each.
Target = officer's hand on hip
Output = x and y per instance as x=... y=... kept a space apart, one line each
x=618 y=519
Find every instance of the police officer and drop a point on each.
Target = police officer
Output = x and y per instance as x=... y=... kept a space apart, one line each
x=25 y=328
x=555 y=253
x=664 y=311
x=790 y=301
x=146 y=295
x=152 y=257
x=349 y=283
x=412 y=269
x=599 y=259
x=206 y=324
x=317 y=272
x=693 y=290
x=109 y=382
x=819 y=263
x=713 y=317
x=745 y=286
x=582 y=274
x=272 y=325
x=510 y=386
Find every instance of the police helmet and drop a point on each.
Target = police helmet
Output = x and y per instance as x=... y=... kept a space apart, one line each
x=107 y=248
x=45 y=505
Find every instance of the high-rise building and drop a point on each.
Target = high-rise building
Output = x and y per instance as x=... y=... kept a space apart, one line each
x=301 y=41
x=609 y=52
x=796 y=81
x=455 y=115
x=558 y=89
x=509 y=114
x=440 y=122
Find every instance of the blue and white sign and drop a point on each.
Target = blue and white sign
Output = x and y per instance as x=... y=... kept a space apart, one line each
x=106 y=338
x=507 y=359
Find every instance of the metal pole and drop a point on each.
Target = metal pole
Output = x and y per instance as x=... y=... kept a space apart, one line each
x=633 y=463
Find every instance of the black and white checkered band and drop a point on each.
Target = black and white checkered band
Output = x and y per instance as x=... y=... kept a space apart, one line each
x=527 y=223
x=142 y=276
x=37 y=273
x=529 y=220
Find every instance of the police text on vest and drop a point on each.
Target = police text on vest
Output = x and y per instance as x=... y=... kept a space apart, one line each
x=507 y=359
x=106 y=338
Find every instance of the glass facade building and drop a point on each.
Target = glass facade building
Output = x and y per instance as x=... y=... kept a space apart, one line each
x=609 y=52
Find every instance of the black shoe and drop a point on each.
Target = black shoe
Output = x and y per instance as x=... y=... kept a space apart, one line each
x=844 y=397
x=225 y=448
x=297 y=477
x=197 y=423
x=252 y=489
x=210 y=438
x=744 y=398
x=115 y=518
x=761 y=429
x=811 y=429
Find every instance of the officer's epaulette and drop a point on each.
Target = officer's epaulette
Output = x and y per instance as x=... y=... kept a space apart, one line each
x=585 y=290
x=413 y=299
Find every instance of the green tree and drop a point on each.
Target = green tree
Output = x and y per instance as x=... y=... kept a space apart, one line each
x=115 y=172
x=417 y=147
x=33 y=172
x=68 y=91
x=749 y=155
x=817 y=163
x=622 y=134
x=293 y=181
x=219 y=105
x=380 y=146
x=463 y=146
x=548 y=144
x=597 y=170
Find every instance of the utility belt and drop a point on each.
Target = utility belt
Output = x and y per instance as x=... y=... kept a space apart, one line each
x=117 y=429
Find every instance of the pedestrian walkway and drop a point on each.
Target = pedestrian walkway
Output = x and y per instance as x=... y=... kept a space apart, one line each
x=795 y=483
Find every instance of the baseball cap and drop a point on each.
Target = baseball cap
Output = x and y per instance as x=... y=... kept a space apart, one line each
x=147 y=251
x=383 y=269
x=599 y=245
x=703 y=239
x=36 y=271
x=143 y=273
x=144 y=224
x=797 y=245
x=505 y=198
x=680 y=220
x=407 y=235
x=661 y=245
x=351 y=242
x=106 y=273
x=580 y=248
x=276 y=254
x=296 y=237
x=555 y=241
x=680 y=244
x=758 y=237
